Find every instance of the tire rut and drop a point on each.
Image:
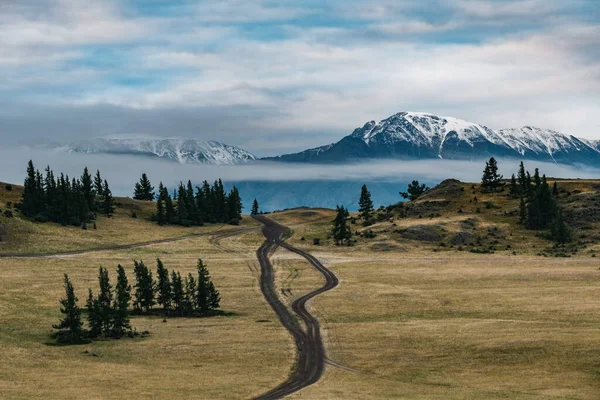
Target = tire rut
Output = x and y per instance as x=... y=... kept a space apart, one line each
x=310 y=351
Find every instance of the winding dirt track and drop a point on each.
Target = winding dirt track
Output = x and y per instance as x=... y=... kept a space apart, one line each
x=311 y=357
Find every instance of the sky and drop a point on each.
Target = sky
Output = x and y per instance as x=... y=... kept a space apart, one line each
x=282 y=76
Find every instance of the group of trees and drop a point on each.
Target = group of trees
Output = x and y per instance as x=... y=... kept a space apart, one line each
x=183 y=297
x=208 y=204
x=414 y=190
x=64 y=200
x=538 y=208
x=108 y=311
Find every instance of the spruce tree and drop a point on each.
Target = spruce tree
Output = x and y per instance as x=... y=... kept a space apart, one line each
x=98 y=183
x=105 y=298
x=144 y=288
x=365 y=205
x=163 y=286
x=160 y=212
x=94 y=315
x=191 y=296
x=522 y=177
x=70 y=326
x=144 y=189
x=121 y=305
x=29 y=199
x=182 y=210
x=514 y=189
x=341 y=231
x=559 y=231
x=214 y=298
x=414 y=191
x=254 y=207
x=108 y=202
x=206 y=295
x=178 y=294
x=555 y=189
x=87 y=187
x=522 y=211
x=491 y=180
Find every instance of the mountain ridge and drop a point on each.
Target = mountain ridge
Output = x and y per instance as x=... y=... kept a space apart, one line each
x=418 y=135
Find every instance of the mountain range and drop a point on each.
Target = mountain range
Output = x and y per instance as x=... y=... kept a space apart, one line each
x=412 y=135
x=406 y=135
x=184 y=151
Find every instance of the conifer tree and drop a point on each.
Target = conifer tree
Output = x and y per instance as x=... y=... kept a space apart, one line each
x=207 y=297
x=28 y=202
x=121 y=305
x=144 y=288
x=70 y=327
x=98 y=183
x=491 y=180
x=178 y=294
x=555 y=189
x=514 y=189
x=160 y=211
x=522 y=177
x=234 y=206
x=522 y=211
x=87 y=188
x=191 y=296
x=108 y=202
x=169 y=208
x=254 y=207
x=559 y=231
x=94 y=315
x=414 y=191
x=144 y=189
x=163 y=286
x=105 y=298
x=341 y=231
x=365 y=205
x=182 y=210
x=214 y=298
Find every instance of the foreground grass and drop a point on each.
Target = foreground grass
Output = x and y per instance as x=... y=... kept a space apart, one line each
x=234 y=356
x=417 y=324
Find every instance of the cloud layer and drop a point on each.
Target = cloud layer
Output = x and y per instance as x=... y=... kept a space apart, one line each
x=276 y=76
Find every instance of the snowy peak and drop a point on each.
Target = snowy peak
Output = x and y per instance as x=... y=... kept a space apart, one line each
x=418 y=135
x=184 y=151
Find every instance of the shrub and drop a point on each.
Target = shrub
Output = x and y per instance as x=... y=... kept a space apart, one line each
x=41 y=217
x=233 y=221
x=316 y=241
x=369 y=234
x=133 y=214
x=8 y=214
x=8 y=187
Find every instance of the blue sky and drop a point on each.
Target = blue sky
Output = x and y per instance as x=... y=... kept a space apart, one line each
x=280 y=76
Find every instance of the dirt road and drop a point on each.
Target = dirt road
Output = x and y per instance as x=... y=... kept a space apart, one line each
x=310 y=357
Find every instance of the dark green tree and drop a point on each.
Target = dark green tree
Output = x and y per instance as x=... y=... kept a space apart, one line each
x=491 y=180
x=121 y=304
x=87 y=188
x=163 y=286
x=555 y=189
x=365 y=205
x=143 y=189
x=414 y=191
x=559 y=231
x=207 y=297
x=30 y=192
x=341 y=231
x=70 y=326
x=514 y=189
x=94 y=315
x=522 y=211
x=98 y=183
x=178 y=294
x=108 y=202
x=105 y=298
x=144 y=288
x=254 y=207
x=191 y=288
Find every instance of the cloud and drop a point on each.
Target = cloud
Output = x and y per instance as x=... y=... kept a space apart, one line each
x=284 y=76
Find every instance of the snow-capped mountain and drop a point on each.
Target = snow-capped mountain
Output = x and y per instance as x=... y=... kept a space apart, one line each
x=422 y=135
x=184 y=151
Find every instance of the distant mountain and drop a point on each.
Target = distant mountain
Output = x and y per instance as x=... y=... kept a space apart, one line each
x=412 y=135
x=184 y=151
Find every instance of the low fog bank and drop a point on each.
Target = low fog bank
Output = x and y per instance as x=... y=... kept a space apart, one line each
x=277 y=185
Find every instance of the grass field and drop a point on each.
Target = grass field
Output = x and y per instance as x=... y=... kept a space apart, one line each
x=411 y=318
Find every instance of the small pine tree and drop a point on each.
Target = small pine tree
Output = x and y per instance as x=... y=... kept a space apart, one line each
x=414 y=191
x=87 y=188
x=105 y=297
x=108 y=202
x=559 y=231
x=94 y=315
x=191 y=296
x=514 y=189
x=144 y=288
x=341 y=231
x=491 y=180
x=144 y=189
x=98 y=183
x=178 y=294
x=121 y=305
x=214 y=298
x=365 y=205
x=70 y=327
x=254 y=207
x=163 y=286
x=555 y=189
x=207 y=297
